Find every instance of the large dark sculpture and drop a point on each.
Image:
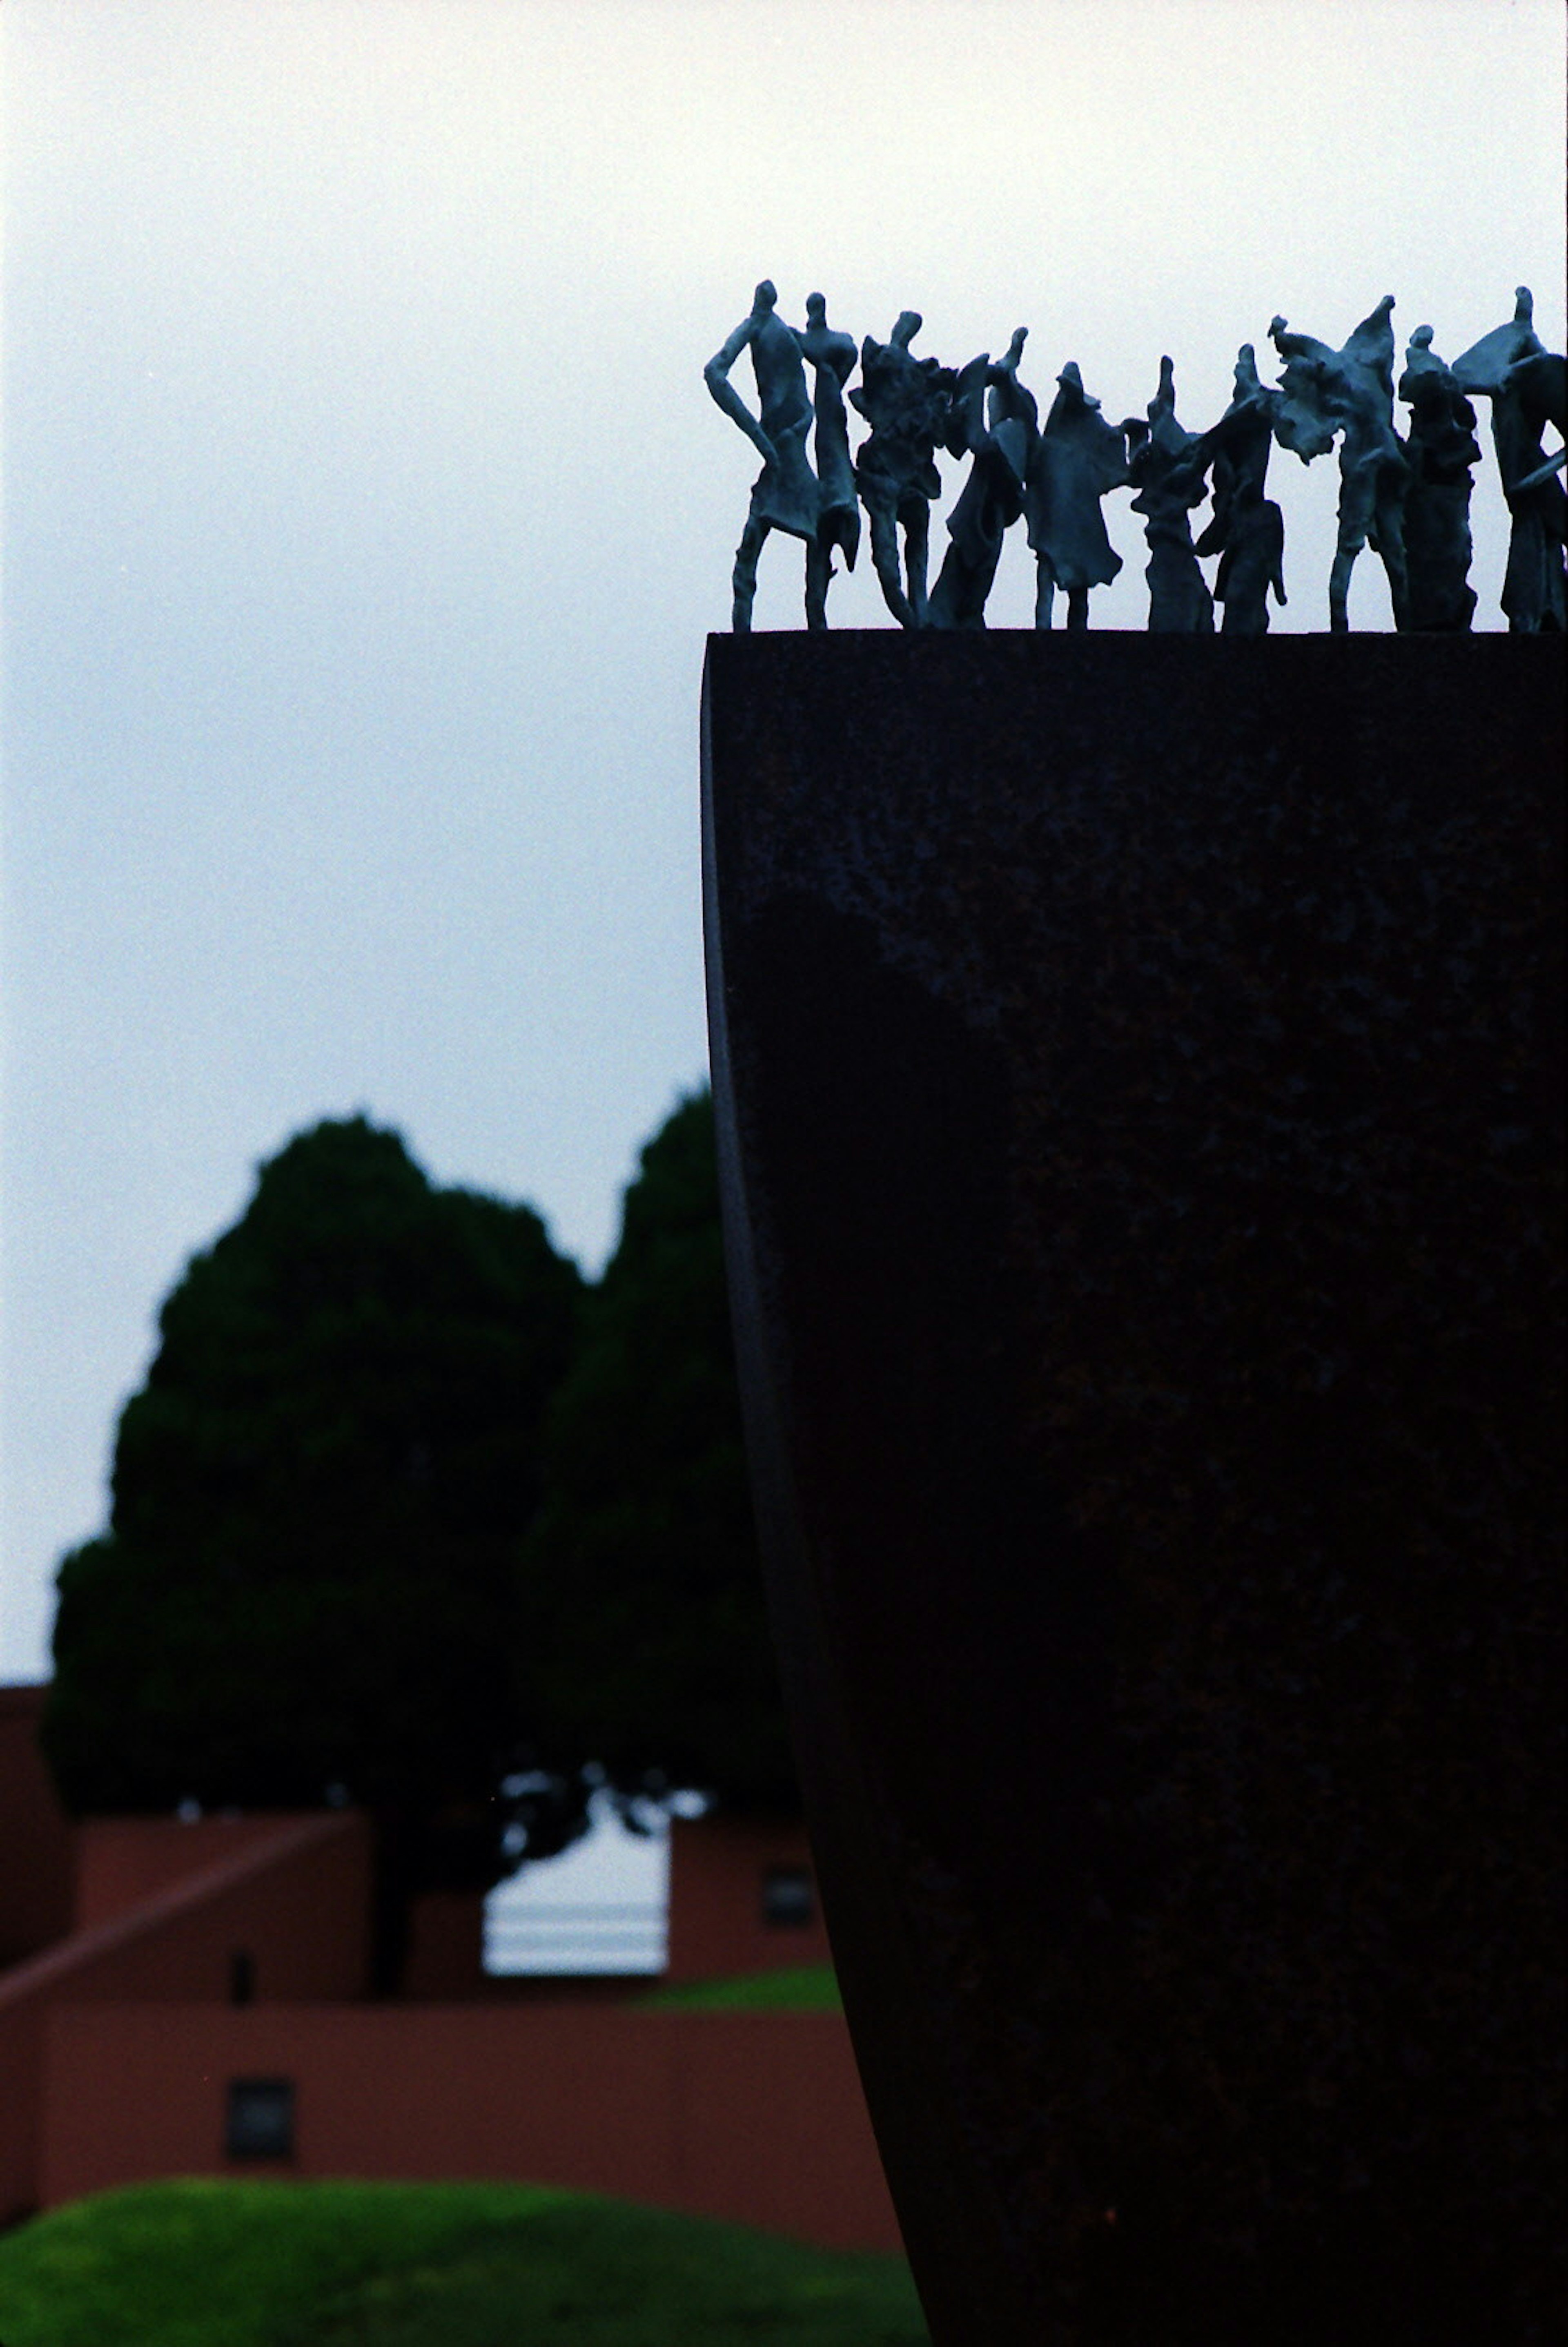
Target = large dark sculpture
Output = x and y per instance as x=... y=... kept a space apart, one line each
x=1513 y=368
x=1137 y=1065
x=820 y=507
x=905 y=401
x=1160 y=460
x=1440 y=450
x=1349 y=394
x=1078 y=458
x=994 y=420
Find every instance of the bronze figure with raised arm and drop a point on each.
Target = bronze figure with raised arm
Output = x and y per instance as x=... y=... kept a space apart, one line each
x=906 y=402
x=1247 y=529
x=1168 y=484
x=1349 y=394
x=994 y=419
x=1524 y=382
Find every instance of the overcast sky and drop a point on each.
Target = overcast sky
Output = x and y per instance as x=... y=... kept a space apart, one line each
x=366 y=513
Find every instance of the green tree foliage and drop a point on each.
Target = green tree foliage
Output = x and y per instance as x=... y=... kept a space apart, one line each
x=404 y=1510
x=308 y=1579
x=643 y=1641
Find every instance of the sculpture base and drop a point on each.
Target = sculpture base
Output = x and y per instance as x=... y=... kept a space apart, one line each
x=1138 y=1079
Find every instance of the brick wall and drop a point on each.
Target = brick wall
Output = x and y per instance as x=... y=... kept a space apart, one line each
x=754 y=2117
x=294 y=1905
x=35 y=1840
x=720 y=1871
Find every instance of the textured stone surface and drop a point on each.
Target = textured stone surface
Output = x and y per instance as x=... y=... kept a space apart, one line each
x=1139 y=1071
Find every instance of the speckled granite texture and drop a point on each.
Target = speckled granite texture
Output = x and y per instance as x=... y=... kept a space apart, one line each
x=1139 y=1069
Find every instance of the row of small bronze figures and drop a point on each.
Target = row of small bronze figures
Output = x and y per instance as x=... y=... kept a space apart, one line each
x=1406 y=498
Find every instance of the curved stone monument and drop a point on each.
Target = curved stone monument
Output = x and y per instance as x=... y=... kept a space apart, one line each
x=1138 y=1066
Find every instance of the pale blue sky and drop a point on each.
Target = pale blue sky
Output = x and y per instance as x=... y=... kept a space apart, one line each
x=366 y=515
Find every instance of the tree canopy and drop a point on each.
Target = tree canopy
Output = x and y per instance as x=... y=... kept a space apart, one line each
x=643 y=1647
x=405 y=1514
x=306 y=1587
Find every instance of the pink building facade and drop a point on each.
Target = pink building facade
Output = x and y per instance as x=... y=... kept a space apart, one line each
x=190 y=1999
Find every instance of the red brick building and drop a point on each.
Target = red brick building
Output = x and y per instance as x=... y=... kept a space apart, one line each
x=742 y=1898
x=189 y=1997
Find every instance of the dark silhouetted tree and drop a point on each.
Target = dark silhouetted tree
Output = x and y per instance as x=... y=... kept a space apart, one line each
x=643 y=1643
x=308 y=1581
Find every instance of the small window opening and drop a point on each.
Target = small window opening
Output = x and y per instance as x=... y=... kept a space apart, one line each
x=241 y=1977
x=261 y=2119
x=789 y=1898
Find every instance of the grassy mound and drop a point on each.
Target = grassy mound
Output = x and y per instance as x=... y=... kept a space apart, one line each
x=196 y=2263
x=800 y=1988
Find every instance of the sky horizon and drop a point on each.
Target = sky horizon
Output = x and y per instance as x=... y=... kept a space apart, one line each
x=366 y=516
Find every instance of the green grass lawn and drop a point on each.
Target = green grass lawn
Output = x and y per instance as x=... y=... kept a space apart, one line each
x=800 y=1988
x=216 y=2264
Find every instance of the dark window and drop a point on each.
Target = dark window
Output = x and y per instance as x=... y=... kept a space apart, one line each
x=788 y=1900
x=261 y=2123
x=242 y=1977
